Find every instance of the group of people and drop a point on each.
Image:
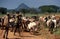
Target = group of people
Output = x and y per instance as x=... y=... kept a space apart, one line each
x=10 y=22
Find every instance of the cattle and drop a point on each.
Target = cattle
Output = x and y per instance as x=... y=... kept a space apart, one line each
x=48 y=22
x=57 y=19
x=51 y=23
x=12 y=23
x=42 y=19
x=1 y=22
x=33 y=26
x=51 y=26
x=30 y=24
x=24 y=20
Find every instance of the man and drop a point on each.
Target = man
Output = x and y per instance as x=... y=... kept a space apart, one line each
x=18 y=24
x=6 y=26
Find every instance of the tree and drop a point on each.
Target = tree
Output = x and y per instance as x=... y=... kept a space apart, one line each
x=33 y=11
x=24 y=11
x=49 y=9
x=3 y=10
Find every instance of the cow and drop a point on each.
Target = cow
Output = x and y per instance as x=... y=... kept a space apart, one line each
x=12 y=23
x=51 y=26
x=33 y=26
x=51 y=23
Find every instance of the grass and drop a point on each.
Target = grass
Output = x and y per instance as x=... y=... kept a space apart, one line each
x=57 y=32
x=28 y=14
x=1 y=15
x=45 y=14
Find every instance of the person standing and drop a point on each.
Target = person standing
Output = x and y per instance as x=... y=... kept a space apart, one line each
x=6 y=26
x=18 y=24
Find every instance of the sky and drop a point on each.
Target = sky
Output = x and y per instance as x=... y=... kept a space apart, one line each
x=12 y=4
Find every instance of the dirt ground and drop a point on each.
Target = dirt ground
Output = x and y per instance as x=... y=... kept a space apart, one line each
x=44 y=34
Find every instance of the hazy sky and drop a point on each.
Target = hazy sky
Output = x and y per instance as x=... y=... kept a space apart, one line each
x=12 y=4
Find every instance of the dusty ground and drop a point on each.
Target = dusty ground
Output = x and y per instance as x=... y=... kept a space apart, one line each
x=44 y=34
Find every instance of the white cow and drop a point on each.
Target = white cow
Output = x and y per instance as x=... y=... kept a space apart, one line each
x=31 y=24
x=48 y=22
x=12 y=20
x=53 y=21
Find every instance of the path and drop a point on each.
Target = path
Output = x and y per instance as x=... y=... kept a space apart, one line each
x=44 y=34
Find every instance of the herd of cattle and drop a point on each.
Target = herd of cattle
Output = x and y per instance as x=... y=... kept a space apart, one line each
x=18 y=22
